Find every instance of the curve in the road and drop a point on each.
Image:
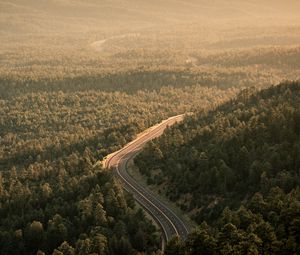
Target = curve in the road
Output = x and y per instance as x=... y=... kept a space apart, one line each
x=170 y=223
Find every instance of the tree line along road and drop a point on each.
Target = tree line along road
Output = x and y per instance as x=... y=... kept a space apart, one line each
x=170 y=223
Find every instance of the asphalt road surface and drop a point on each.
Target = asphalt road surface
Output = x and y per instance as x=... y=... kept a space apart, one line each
x=170 y=223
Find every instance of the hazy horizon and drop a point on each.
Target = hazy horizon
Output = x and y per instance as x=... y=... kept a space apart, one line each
x=19 y=17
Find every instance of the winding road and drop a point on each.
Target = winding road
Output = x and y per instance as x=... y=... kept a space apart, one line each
x=170 y=223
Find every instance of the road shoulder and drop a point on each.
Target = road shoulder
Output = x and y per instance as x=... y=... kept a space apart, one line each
x=133 y=171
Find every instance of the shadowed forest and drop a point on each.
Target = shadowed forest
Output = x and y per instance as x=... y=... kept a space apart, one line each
x=80 y=79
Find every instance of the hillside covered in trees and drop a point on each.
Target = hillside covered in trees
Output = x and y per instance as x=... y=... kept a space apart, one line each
x=69 y=207
x=236 y=170
x=81 y=78
x=52 y=198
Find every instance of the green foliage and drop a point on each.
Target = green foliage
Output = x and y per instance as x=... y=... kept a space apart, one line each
x=174 y=247
x=74 y=220
x=244 y=156
x=50 y=142
x=52 y=197
x=269 y=230
x=65 y=103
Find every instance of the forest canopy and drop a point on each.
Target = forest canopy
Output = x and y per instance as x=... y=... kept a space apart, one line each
x=81 y=78
x=236 y=169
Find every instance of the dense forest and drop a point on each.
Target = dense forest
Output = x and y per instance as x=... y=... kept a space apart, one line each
x=69 y=207
x=236 y=170
x=45 y=126
x=223 y=70
x=149 y=59
x=81 y=78
x=59 y=113
x=53 y=199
